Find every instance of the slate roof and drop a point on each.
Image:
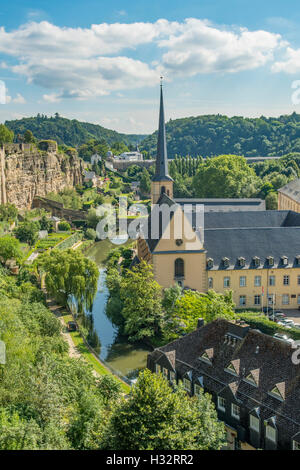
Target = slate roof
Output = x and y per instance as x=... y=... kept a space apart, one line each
x=252 y=219
x=246 y=234
x=226 y=205
x=250 y=242
x=254 y=352
x=292 y=189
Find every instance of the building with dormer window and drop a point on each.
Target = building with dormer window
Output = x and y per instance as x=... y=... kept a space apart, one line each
x=251 y=377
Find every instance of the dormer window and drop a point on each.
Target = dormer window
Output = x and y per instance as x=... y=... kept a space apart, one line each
x=270 y=260
x=207 y=356
x=242 y=262
x=298 y=260
x=256 y=261
x=278 y=391
x=231 y=369
x=225 y=262
x=252 y=378
x=210 y=262
x=284 y=260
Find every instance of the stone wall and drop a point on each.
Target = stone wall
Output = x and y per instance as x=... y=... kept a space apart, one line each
x=57 y=209
x=27 y=172
x=122 y=165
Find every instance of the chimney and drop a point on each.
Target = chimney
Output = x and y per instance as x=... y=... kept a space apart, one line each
x=200 y=323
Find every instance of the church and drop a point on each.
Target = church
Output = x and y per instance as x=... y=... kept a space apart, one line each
x=220 y=244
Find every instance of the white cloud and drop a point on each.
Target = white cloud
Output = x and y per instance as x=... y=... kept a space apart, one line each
x=87 y=78
x=82 y=63
x=290 y=63
x=201 y=47
x=46 y=39
x=19 y=99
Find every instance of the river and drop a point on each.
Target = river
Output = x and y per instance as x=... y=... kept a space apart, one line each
x=116 y=351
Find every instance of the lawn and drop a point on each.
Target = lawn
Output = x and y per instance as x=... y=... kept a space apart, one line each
x=88 y=356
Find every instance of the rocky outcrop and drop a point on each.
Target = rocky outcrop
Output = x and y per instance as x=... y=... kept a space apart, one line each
x=27 y=171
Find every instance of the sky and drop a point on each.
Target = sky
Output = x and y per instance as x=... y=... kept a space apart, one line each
x=100 y=61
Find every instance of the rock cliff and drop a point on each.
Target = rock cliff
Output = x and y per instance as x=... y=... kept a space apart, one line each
x=27 y=170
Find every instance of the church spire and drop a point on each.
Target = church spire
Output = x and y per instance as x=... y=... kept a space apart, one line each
x=161 y=171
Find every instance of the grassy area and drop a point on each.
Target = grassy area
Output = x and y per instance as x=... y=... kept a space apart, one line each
x=88 y=356
x=51 y=240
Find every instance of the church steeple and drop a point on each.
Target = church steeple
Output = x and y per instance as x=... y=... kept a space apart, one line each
x=162 y=181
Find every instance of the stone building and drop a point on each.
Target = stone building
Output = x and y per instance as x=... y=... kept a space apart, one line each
x=289 y=196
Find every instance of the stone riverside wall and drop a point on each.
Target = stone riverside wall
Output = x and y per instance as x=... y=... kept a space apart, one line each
x=27 y=171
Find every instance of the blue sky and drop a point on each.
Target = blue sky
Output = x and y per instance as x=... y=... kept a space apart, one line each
x=100 y=61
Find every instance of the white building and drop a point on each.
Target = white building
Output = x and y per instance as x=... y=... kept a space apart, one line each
x=95 y=159
x=131 y=156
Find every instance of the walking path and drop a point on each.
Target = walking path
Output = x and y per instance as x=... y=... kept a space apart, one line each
x=86 y=355
x=56 y=309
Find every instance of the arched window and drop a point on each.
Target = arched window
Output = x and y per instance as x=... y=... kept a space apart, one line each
x=163 y=190
x=179 y=268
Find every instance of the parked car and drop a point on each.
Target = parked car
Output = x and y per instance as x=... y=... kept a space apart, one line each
x=284 y=338
x=277 y=314
x=286 y=323
x=72 y=326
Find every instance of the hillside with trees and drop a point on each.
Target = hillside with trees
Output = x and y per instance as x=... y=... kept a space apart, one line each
x=66 y=131
x=211 y=135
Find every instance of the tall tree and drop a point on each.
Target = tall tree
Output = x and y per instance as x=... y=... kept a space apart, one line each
x=156 y=417
x=145 y=183
x=141 y=297
x=69 y=273
x=9 y=249
x=225 y=176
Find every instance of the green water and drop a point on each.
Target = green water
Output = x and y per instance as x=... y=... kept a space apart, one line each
x=116 y=351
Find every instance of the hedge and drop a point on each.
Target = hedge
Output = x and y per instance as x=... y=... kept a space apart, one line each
x=267 y=326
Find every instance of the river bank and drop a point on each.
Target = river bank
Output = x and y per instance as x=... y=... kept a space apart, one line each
x=123 y=358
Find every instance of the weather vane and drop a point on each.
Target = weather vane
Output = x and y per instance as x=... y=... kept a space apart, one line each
x=161 y=80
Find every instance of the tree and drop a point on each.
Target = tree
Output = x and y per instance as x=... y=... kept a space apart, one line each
x=225 y=176
x=6 y=135
x=109 y=388
x=91 y=234
x=9 y=249
x=92 y=219
x=192 y=305
x=145 y=183
x=272 y=201
x=8 y=212
x=46 y=224
x=64 y=226
x=27 y=232
x=156 y=417
x=29 y=137
x=141 y=297
x=70 y=274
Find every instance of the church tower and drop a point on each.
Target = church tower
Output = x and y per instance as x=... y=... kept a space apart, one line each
x=162 y=181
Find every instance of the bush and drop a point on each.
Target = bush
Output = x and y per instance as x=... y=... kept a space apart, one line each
x=79 y=223
x=91 y=234
x=64 y=226
x=262 y=323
